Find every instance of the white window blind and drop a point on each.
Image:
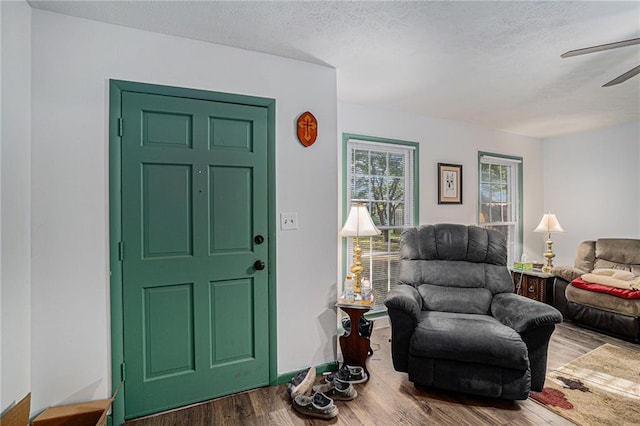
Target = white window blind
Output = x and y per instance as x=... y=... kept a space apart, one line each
x=381 y=176
x=499 y=199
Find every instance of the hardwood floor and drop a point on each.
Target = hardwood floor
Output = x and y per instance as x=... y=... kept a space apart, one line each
x=388 y=398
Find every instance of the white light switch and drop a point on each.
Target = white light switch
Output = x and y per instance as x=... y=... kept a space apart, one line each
x=288 y=221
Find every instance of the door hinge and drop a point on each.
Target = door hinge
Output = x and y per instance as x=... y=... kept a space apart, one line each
x=120 y=120
x=122 y=372
x=121 y=251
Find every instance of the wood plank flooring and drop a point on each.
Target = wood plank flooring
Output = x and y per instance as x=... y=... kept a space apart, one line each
x=388 y=398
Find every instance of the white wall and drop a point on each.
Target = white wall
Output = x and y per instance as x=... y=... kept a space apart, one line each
x=15 y=151
x=72 y=62
x=591 y=183
x=446 y=141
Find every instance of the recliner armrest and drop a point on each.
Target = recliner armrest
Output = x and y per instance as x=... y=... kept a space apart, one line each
x=405 y=298
x=559 y=297
x=567 y=273
x=521 y=313
x=404 y=304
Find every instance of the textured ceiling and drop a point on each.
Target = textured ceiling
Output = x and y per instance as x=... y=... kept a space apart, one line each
x=496 y=64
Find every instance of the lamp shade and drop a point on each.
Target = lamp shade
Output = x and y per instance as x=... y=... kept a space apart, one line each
x=549 y=224
x=359 y=223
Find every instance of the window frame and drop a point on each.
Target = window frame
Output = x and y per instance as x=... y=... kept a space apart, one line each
x=518 y=161
x=346 y=137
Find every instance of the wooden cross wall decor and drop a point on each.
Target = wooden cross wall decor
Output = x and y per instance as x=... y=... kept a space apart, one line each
x=307 y=128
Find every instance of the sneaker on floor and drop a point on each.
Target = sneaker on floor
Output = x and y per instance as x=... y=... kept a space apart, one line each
x=337 y=390
x=302 y=382
x=349 y=374
x=319 y=405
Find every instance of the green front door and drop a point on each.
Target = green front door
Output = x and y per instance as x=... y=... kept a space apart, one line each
x=194 y=269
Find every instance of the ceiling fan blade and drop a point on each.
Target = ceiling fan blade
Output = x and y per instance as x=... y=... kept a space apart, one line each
x=601 y=47
x=624 y=77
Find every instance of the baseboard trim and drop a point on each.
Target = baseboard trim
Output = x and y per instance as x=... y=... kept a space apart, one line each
x=329 y=366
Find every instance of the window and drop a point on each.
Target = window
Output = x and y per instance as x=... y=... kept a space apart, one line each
x=382 y=174
x=500 y=198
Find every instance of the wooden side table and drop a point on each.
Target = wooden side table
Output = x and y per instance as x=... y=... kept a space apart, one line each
x=534 y=285
x=354 y=346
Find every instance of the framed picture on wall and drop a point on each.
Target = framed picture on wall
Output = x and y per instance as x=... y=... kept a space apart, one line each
x=449 y=183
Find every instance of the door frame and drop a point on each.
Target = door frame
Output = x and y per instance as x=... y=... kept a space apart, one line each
x=116 y=87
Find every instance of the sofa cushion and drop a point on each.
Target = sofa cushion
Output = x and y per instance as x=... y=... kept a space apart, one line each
x=455 y=299
x=443 y=273
x=454 y=242
x=619 y=250
x=449 y=273
x=455 y=256
x=585 y=256
x=612 y=282
x=618 y=253
x=605 y=302
x=468 y=338
x=601 y=288
x=567 y=273
x=615 y=273
x=603 y=263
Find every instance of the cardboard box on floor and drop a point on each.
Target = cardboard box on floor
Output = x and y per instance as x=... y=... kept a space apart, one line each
x=18 y=415
x=91 y=413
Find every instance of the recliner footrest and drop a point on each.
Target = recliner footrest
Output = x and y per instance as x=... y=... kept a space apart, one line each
x=468 y=338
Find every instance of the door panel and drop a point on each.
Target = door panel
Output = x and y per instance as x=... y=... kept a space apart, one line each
x=231 y=134
x=166 y=209
x=232 y=204
x=194 y=195
x=168 y=330
x=232 y=301
x=166 y=129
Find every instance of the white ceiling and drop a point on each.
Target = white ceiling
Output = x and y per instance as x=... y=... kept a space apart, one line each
x=496 y=64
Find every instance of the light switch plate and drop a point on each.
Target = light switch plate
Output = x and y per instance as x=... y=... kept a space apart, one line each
x=288 y=221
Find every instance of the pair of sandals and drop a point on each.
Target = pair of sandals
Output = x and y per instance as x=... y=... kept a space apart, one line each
x=320 y=404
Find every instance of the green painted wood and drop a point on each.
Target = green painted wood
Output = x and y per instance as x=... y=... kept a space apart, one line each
x=167 y=191
x=116 y=88
x=168 y=346
x=115 y=265
x=231 y=303
x=194 y=195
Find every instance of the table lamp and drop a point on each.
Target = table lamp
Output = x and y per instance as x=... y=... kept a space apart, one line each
x=358 y=224
x=549 y=225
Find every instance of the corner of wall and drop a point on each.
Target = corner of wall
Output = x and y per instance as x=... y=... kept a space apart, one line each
x=614 y=152
x=15 y=202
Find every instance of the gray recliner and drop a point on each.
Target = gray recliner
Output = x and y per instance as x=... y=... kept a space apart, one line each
x=456 y=323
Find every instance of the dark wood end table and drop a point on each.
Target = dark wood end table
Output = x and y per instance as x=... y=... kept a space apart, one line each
x=533 y=284
x=354 y=346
